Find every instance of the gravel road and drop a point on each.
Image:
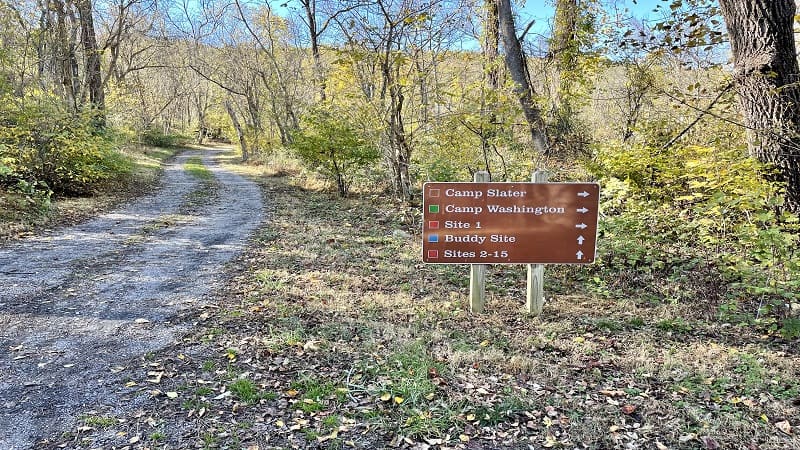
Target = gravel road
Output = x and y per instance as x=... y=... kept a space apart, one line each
x=79 y=305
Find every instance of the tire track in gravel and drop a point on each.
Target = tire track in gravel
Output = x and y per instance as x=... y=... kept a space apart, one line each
x=78 y=305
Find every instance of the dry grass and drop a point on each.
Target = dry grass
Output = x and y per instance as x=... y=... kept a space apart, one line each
x=361 y=345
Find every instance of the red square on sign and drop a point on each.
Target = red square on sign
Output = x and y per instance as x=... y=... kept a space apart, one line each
x=433 y=193
x=433 y=254
x=433 y=224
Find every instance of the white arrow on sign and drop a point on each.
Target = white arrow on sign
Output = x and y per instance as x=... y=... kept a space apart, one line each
x=582 y=210
x=583 y=194
x=582 y=226
x=580 y=240
x=579 y=254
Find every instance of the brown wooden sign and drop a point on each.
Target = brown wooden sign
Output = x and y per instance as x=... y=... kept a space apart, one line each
x=512 y=223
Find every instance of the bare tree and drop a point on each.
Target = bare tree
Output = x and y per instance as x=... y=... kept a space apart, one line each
x=389 y=43
x=126 y=30
x=518 y=70
x=58 y=48
x=238 y=127
x=317 y=25
x=91 y=54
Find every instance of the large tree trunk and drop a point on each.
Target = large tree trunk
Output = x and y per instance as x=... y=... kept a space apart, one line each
x=491 y=51
x=766 y=76
x=402 y=148
x=239 y=130
x=564 y=48
x=201 y=103
x=492 y=43
x=310 y=7
x=66 y=63
x=518 y=69
x=94 y=75
x=564 y=53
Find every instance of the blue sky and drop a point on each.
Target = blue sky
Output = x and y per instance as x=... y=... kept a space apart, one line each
x=542 y=10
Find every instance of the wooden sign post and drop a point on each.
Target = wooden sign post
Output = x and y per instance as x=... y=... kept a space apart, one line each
x=534 y=301
x=535 y=223
x=477 y=272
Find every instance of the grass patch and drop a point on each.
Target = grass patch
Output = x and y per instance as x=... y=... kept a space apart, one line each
x=100 y=421
x=317 y=394
x=507 y=409
x=409 y=375
x=207 y=189
x=150 y=159
x=195 y=404
x=246 y=391
x=157 y=436
x=677 y=326
x=197 y=169
x=203 y=391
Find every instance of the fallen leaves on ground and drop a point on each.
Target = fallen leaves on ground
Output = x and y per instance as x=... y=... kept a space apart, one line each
x=333 y=336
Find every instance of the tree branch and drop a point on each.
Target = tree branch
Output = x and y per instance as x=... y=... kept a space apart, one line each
x=526 y=30
x=206 y=77
x=702 y=114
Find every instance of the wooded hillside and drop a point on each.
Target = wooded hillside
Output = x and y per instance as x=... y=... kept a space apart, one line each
x=697 y=157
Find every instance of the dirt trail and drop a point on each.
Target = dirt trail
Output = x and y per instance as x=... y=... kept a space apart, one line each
x=81 y=304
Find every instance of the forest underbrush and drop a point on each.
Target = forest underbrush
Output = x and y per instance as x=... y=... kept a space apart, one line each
x=27 y=207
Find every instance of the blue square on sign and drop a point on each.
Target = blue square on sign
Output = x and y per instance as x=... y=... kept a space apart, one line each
x=433 y=238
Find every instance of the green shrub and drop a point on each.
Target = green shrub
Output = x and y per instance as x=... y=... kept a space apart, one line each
x=24 y=199
x=155 y=137
x=50 y=149
x=697 y=224
x=259 y=143
x=331 y=144
x=442 y=170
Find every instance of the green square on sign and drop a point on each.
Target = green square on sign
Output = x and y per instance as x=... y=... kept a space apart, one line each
x=433 y=209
